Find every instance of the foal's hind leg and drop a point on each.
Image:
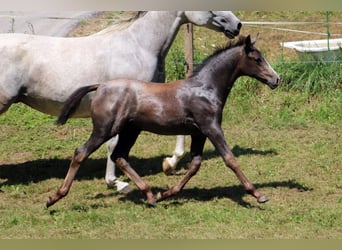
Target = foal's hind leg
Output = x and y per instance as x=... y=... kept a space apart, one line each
x=197 y=144
x=80 y=155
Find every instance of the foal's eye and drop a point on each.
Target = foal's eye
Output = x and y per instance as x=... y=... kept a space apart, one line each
x=258 y=60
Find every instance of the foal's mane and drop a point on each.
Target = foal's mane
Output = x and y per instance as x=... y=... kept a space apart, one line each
x=239 y=41
x=124 y=21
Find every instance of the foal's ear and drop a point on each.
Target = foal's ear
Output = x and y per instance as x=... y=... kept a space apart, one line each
x=255 y=39
x=248 y=44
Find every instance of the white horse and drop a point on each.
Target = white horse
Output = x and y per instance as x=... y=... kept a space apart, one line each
x=42 y=71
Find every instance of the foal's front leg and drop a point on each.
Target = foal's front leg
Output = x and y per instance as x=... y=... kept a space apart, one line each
x=216 y=136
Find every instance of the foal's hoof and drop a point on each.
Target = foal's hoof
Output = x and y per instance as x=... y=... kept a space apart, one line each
x=262 y=199
x=49 y=202
x=152 y=203
x=159 y=196
x=167 y=168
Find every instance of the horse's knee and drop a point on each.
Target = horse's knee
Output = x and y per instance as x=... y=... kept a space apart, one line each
x=79 y=155
x=195 y=165
x=119 y=161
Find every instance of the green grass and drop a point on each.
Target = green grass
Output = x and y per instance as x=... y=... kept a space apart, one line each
x=294 y=159
x=287 y=141
x=311 y=77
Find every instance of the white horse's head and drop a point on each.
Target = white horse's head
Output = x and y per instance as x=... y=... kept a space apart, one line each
x=224 y=21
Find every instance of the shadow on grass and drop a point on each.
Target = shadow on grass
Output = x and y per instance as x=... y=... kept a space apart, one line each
x=39 y=170
x=234 y=193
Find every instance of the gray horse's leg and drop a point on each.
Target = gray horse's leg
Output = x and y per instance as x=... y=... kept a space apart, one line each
x=110 y=177
x=170 y=163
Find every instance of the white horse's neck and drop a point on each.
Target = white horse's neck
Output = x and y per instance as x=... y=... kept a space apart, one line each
x=159 y=28
x=162 y=27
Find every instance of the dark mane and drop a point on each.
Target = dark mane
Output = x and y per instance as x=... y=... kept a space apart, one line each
x=239 y=41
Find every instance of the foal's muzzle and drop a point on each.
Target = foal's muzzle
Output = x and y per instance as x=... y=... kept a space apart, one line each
x=274 y=83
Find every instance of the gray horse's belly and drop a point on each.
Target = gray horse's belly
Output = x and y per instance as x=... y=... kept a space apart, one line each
x=51 y=107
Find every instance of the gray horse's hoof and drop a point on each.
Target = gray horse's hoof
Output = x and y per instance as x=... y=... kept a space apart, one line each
x=123 y=187
x=167 y=168
x=262 y=199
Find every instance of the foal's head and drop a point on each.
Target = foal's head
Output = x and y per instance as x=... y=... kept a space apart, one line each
x=255 y=65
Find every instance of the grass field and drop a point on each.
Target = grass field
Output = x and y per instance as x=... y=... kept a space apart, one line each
x=287 y=141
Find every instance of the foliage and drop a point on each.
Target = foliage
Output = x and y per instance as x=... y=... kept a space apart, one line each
x=311 y=77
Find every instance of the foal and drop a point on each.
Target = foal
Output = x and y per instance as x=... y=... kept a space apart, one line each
x=189 y=107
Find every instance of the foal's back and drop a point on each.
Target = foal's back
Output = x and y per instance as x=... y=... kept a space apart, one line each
x=154 y=107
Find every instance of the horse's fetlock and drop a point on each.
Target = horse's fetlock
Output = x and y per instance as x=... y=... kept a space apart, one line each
x=179 y=153
x=79 y=155
x=176 y=189
x=62 y=192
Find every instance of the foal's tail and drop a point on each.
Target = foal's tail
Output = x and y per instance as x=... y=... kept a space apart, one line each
x=72 y=103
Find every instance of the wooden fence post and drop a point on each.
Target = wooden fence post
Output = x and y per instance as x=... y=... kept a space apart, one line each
x=189 y=49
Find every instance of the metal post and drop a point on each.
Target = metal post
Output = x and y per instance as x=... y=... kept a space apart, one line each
x=327 y=26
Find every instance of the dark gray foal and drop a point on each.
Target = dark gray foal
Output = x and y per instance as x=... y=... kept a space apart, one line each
x=187 y=107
